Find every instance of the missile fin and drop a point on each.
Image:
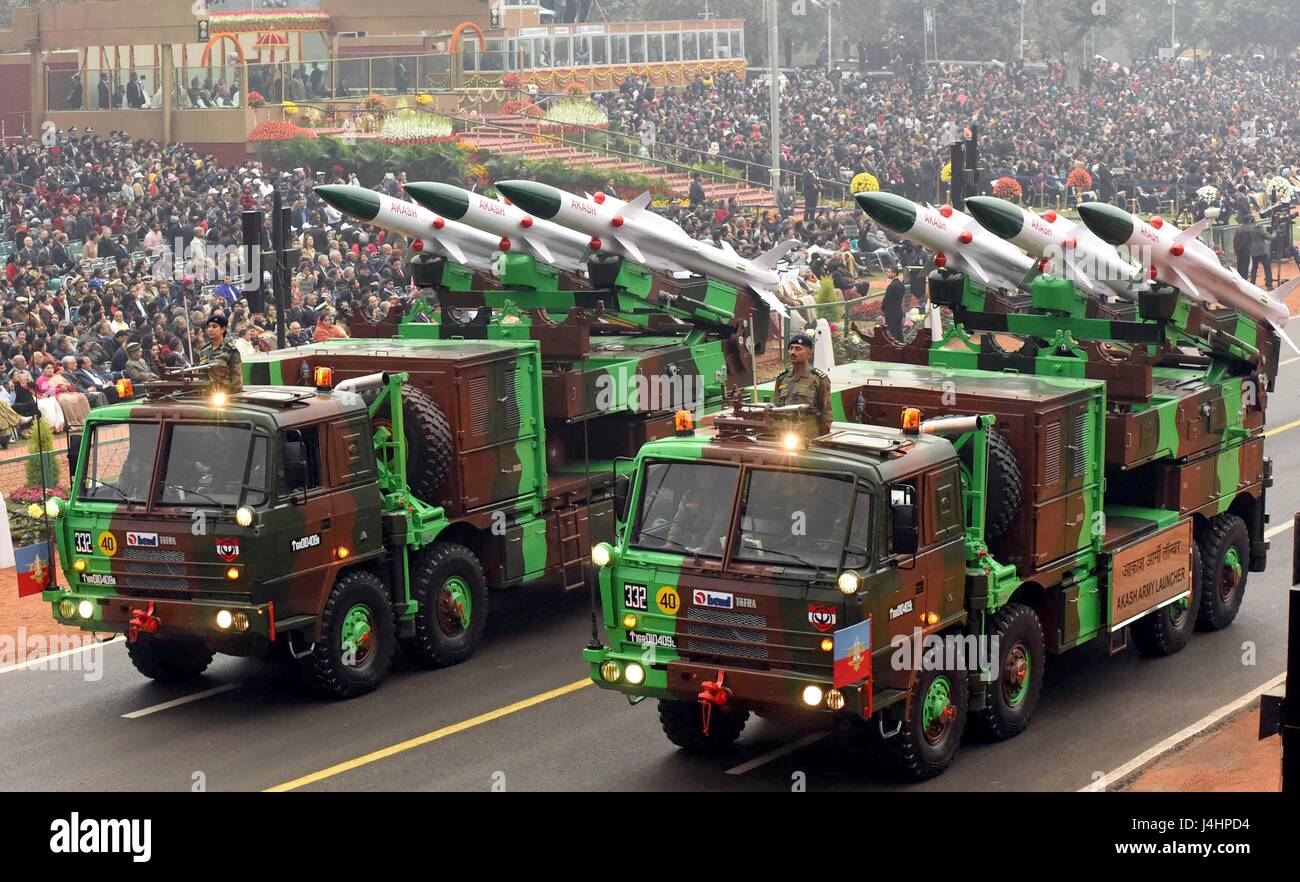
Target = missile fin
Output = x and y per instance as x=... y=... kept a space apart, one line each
x=1192 y=232
x=636 y=206
x=630 y=247
x=977 y=269
x=538 y=245
x=1187 y=284
x=1281 y=333
x=769 y=259
x=771 y=300
x=1285 y=290
x=453 y=250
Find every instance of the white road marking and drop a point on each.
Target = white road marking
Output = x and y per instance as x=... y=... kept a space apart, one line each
x=1288 y=361
x=1280 y=528
x=777 y=754
x=177 y=702
x=46 y=659
x=1153 y=753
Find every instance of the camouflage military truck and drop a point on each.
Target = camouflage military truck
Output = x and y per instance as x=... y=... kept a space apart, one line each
x=512 y=426
x=973 y=510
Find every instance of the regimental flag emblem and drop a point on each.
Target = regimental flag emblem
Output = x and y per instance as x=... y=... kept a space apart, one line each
x=33 y=565
x=852 y=654
x=228 y=549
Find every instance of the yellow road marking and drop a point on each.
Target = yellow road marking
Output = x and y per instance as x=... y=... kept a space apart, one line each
x=1290 y=425
x=427 y=738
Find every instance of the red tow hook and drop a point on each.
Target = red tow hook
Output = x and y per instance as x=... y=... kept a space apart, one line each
x=141 y=620
x=712 y=694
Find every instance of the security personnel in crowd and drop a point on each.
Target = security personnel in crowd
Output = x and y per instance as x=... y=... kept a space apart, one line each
x=227 y=373
x=801 y=383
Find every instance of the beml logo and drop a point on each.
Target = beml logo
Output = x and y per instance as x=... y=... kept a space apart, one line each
x=718 y=599
x=821 y=617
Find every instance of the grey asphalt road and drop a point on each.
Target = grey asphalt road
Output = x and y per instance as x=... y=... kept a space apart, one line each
x=519 y=716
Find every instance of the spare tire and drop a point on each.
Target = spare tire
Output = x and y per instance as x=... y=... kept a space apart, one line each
x=1005 y=490
x=428 y=443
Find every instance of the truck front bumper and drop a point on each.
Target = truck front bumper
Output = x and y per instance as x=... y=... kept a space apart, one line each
x=174 y=618
x=747 y=689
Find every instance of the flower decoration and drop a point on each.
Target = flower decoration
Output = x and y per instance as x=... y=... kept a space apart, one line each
x=865 y=182
x=1079 y=179
x=1007 y=188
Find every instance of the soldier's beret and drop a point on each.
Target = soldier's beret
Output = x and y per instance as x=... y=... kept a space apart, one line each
x=802 y=340
x=218 y=319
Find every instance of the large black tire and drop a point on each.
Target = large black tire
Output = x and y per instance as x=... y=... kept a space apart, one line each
x=1009 y=701
x=1005 y=489
x=915 y=754
x=683 y=723
x=168 y=661
x=1168 y=629
x=1225 y=563
x=339 y=667
x=442 y=576
x=428 y=443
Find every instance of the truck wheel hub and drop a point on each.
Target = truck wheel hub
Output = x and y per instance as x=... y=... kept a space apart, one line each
x=937 y=711
x=1230 y=574
x=454 y=606
x=1015 y=675
x=358 y=636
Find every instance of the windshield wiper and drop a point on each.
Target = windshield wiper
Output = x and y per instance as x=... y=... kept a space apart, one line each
x=790 y=554
x=116 y=489
x=199 y=493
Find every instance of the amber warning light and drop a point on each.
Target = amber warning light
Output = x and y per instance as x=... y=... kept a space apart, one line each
x=911 y=421
x=684 y=423
x=324 y=378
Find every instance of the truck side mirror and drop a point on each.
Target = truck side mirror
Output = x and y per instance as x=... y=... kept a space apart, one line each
x=903 y=529
x=295 y=465
x=622 y=493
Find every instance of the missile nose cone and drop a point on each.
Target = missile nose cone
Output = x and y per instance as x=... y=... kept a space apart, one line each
x=444 y=199
x=1111 y=224
x=358 y=202
x=998 y=216
x=889 y=210
x=540 y=200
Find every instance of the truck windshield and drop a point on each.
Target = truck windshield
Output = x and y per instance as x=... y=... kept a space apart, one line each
x=685 y=506
x=205 y=466
x=793 y=518
x=119 y=462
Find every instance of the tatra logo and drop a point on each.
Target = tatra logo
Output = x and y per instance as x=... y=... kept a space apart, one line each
x=902 y=609
x=821 y=617
x=717 y=599
x=306 y=542
x=228 y=549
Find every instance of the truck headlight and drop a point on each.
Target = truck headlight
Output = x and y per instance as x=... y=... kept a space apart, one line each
x=601 y=554
x=849 y=582
x=67 y=609
x=54 y=506
x=812 y=695
x=610 y=672
x=244 y=516
x=79 y=565
x=86 y=609
x=225 y=619
x=634 y=674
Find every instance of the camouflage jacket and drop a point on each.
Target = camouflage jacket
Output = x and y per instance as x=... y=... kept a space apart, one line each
x=227 y=366
x=812 y=387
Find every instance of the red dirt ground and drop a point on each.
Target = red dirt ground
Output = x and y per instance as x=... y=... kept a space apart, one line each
x=1230 y=758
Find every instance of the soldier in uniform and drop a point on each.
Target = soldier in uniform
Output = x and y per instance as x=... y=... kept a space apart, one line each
x=227 y=373
x=801 y=383
x=136 y=370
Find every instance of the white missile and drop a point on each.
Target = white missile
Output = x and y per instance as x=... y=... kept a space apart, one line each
x=957 y=240
x=456 y=241
x=1177 y=257
x=631 y=230
x=1068 y=248
x=548 y=242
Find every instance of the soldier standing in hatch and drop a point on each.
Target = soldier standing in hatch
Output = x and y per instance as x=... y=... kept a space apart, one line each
x=801 y=383
x=227 y=373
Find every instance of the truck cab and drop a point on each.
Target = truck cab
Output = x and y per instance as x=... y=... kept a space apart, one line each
x=217 y=524
x=756 y=571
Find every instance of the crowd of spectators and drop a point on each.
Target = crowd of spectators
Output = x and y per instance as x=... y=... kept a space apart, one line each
x=119 y=250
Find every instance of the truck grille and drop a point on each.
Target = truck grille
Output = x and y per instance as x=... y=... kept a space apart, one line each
x=707 y=628
x=153 y=569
